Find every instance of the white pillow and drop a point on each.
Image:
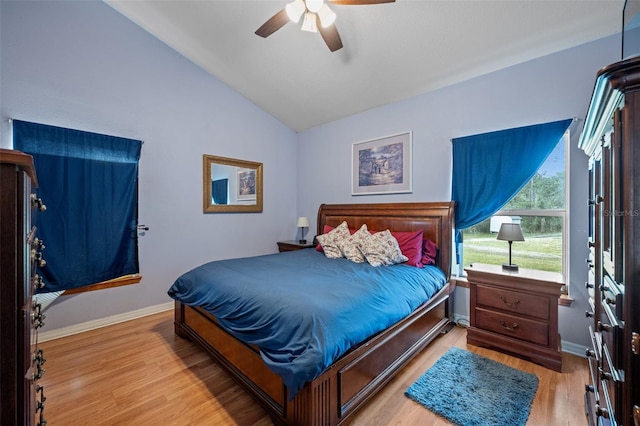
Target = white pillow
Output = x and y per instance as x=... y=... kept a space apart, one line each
x=331 y=240
x=382 y=249
x=350 y=245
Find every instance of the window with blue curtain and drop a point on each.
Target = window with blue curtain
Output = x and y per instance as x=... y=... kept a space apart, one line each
x=89 y=183
x=220 y=191
x=490 y=168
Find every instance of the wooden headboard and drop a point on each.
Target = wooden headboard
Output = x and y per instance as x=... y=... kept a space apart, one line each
x=435 y=219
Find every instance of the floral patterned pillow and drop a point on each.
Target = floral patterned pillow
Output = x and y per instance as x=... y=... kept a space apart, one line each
x=382 y=249
x=331 y=240
x=350 y=246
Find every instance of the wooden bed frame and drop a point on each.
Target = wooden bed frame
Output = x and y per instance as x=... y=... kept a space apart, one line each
x=353 y=379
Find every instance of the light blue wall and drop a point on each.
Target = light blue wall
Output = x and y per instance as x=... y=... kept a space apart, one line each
x=80 y=64
x=551 y=88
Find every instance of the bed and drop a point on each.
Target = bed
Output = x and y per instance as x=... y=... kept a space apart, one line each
x=349 y=381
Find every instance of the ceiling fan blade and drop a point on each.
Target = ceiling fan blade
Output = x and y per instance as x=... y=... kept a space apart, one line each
x=273 y=24
x=358 y=2
x=331 y=37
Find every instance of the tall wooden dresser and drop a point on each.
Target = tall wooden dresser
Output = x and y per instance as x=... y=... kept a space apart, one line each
x=21 y=398
x=611 y=138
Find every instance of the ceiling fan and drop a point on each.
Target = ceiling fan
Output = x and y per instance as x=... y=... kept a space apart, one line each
x=317 y=18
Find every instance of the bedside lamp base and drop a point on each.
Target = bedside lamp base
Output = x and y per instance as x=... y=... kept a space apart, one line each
x=510 y=267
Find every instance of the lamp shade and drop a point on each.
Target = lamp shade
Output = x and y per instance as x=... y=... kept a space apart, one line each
x=303 y=222
x=510 y=232
x=310 y=23
x=314 y=5
x=326 y=15
x=295 y=9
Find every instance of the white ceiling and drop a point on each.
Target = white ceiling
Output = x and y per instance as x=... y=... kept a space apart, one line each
x=391 y=51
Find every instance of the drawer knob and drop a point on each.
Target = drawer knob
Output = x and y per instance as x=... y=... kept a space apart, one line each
x=511 y=327
x=588 y=314
x=38 y=357
x=38 y=244
x=37 y=202
x=590 y=353
x=37 y=375
x=40 y=406
x=605 y=375
x=603 y=327
x=602 y=412
x=38 y=282
x=513 y=304
x=36 y=256
x=40 y=390
x=37 y=317
x=42 y=421
x=589 y=388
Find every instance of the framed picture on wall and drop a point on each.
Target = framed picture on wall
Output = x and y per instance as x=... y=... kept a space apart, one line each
x=246 y=184
x=382 y=166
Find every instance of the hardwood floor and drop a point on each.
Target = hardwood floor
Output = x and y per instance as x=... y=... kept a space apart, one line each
x=139 y=373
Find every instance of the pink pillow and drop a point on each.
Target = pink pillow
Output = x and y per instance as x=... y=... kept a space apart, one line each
x=429 y=252
x=411 y=246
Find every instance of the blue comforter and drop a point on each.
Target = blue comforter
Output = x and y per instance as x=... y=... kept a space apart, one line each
x=302 y=309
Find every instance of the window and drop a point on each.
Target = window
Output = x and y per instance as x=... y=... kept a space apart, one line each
x=89 y=183
x=540 y=208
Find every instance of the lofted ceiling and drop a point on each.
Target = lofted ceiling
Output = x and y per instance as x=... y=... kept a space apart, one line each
x=391 y=51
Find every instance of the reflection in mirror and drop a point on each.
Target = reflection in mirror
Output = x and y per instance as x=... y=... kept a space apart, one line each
x=231 y=185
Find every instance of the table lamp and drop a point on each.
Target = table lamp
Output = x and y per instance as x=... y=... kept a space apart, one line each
x=303 y=222
x=510 y=232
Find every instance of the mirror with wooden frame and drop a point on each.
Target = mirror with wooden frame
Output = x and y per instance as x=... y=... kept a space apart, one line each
x=231 y=185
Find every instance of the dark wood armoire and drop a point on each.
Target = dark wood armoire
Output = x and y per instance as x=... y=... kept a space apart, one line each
x=21 y=397
x=611 y=138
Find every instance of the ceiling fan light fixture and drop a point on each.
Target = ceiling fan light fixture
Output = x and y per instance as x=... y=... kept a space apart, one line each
x=310 y=23
x=314 y=5
x=326 y=15
x=295 y=9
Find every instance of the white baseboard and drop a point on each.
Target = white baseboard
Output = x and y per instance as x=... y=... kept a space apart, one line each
x=574 y=349
x=461 y=320
x=103 y=322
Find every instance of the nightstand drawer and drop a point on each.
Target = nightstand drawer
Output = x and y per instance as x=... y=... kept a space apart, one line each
x=513 y=326
x=513 y=301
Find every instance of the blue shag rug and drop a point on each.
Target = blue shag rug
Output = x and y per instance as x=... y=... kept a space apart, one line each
x=470 y=390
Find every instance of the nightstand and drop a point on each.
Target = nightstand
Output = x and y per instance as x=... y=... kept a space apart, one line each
x=516 y=312
x=293 y=245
